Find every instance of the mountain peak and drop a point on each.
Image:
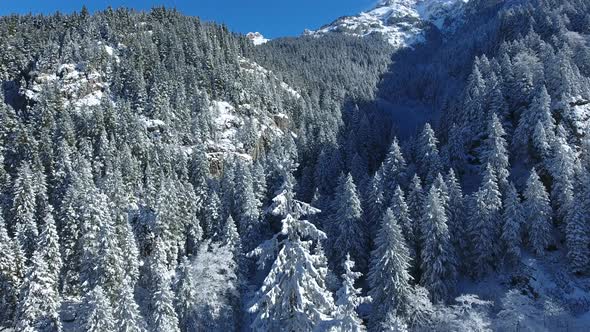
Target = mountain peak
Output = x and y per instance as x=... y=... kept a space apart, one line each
x=401 y=22
x=257 y=38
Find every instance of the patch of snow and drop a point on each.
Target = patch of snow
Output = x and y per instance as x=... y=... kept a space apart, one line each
x=253 y=68
x=257 y=38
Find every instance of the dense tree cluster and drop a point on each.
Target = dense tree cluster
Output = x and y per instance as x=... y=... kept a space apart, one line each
x=126 y=212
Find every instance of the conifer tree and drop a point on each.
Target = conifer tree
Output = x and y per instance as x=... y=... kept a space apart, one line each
x=401 y=212
x=428 y=159
x=513 y=220
x=439 y=274
x=348 y=299
x=10 y=273
x=99 y=315
x=538 y=112
x=537 y=213
x=389 y=276
x=23 y=209
x=40 y=302
x=485 y=225
x=247 y=206
x=577 y=233
x=456 y=215
x=394 y=170
x=495 y=153
x=162 y=316
x=127 y=314
x=293 y=296
x=348 y=230
x=415 y=202
x=562 y=168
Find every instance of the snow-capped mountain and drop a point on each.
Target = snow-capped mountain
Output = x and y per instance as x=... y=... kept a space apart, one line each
x=257 y=38
x=401 y=22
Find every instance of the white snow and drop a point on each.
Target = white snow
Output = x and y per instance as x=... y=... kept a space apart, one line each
x=253 y=68
x=257 y=38
x=399 y=21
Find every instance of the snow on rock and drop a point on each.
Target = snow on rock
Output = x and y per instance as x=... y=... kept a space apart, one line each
x=257 y=38
x=401 y=22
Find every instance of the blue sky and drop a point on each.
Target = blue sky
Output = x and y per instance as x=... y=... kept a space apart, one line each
x=273 y=18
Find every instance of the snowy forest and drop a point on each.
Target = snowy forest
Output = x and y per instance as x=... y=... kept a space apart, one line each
x=162 y=173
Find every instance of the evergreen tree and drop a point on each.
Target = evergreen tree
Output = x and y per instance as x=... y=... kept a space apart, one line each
x=293 y=296
x=40 y=301
x=389 y=278
x=348 y=230
x=562 y=168
x=513 y=222
x=393 y=170
x=23 y=209
x=537 y=213
x=348 y=299
x=538 y=112
x=439 y=274
x=428 y=159
x=415 y=205
x=247 y=206
x=485 y=223
x=456 y=215
x=162 y=316
x=98 y=312
x=577 y=234
x=495 y=153
x=401 y=212
x=127 y=315
x=11 y=273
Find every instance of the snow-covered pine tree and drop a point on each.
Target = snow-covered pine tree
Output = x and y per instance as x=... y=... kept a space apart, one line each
x=513 y=221
x=494 y=151
x=427 y=155
x=439 y=273
x=247 y=207
x=348 y=299
x=537 y=213
x=23 y=210
x=374 y=203
x=347 y=229
x=389 y=276
x=162 y=316
x=98 y=313
x=562 y=167
x=394 y=170
x=127 y=313
x=456 y=215
x=415 y=201
x=538 y=112
x=40 y=302
x=293 y=296
x=11 y=270
x=577 y=233
x=485 y=223
x=401 y=212
x=185 y=295
x=212 y=223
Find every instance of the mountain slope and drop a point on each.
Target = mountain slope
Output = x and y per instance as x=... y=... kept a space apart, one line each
x=401 y=22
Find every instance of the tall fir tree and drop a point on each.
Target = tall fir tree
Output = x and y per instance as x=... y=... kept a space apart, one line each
x=98 y=312
x=439 y=274
x=427 y=155
x=577 y=233
x=537 y=213
x=347 y=229
x=513 y=221
x=23 y=209
x=494 y=151
x=348 y=299
x=389 y=276
x=293 y=296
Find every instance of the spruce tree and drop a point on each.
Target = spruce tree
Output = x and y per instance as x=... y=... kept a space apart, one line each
x=162 y=317
x=98 y=314
x=389 y=276
x=348 y=233
x=11 y=273
x=513 y=220
x=348 y=299
x=23 y=209
x=127 y=314
x=401 y=212
x=456 y=214
x=577 y=233
x=427 y=155
x=495 y=153
x=40 y=302
x=439 y=274
x=537 y=213
x=485 y=223
x=394 y=170
x=293 y=296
